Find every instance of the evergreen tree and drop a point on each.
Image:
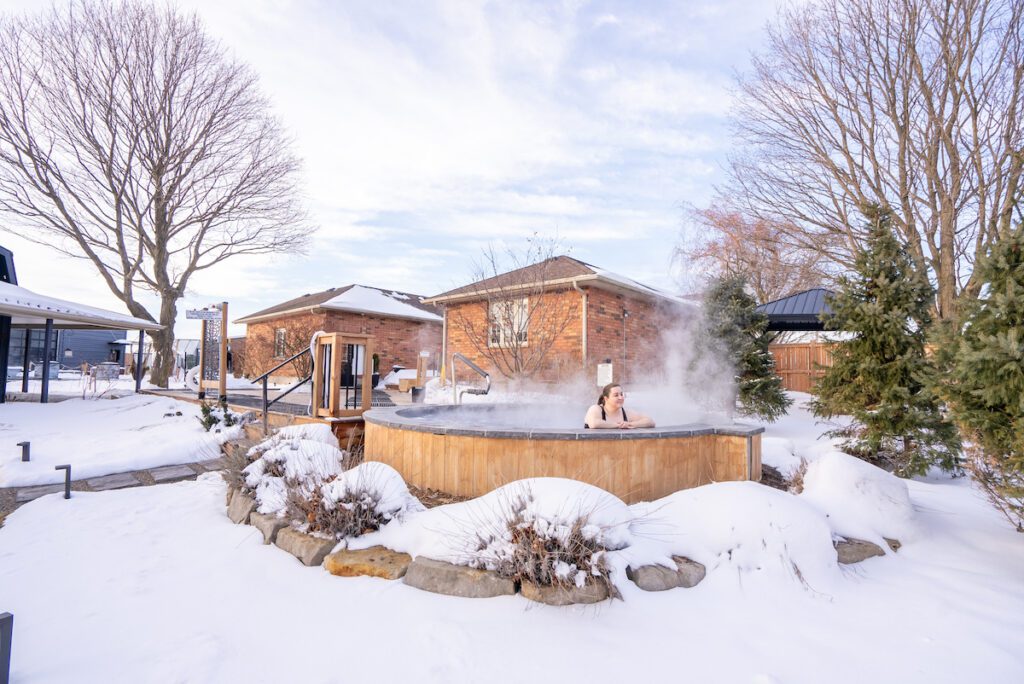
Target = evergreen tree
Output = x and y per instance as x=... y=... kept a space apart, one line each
x=733 y=320
x=881 y=376
x=985 y=387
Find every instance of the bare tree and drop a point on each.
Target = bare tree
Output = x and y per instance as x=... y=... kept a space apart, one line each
x=128 y=137
x=516 y=314
x=913 y=105
x=719 y=243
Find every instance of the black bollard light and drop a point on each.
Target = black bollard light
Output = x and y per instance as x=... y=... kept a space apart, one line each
x=6 y=635
x=67 y=479
x=24 y=451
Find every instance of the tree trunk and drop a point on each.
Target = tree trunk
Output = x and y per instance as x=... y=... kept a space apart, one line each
x=163 y=341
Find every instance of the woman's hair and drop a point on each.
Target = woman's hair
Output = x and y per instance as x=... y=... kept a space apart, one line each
x=606 y=391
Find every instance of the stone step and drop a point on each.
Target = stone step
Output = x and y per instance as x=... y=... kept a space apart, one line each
x=171 y=473
x=118 y=481
x=26 y=494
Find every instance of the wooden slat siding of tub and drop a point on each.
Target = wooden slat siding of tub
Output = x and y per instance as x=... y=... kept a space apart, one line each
x=632 y=469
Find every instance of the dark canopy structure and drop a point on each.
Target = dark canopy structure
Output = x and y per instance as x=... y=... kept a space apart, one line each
x=800 y=311
x=22 y=308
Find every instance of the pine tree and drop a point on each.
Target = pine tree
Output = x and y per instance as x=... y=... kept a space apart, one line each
x=985 y=387
x=881 y=375
x=733 y=320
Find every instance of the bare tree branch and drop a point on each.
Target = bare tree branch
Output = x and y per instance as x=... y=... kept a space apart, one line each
x=914 y=105
x=519 y=316
x=130 y=138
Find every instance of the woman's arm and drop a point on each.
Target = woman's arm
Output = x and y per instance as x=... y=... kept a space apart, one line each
x=639 y=420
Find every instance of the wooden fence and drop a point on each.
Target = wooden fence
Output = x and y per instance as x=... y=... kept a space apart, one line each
x=798 y=364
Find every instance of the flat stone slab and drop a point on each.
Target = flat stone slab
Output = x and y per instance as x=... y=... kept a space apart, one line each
x=850 y=551
x=214 y=464
x=456 y=580
x=171 y=472
x=241 y=507
x=269 y=525
x=558 y=595
x=31 y=493
x=308 y=549
x=687 y=573
x=376 y=561
x=118 y=481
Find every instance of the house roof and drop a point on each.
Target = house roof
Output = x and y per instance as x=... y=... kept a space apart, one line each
x=357 y=299
x=557 y=270
x=800 y=311
x=29 y=309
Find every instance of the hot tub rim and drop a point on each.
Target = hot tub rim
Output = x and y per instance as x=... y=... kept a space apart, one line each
x=390 y=417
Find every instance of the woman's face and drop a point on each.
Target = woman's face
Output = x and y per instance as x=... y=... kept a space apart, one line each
x=615 y=398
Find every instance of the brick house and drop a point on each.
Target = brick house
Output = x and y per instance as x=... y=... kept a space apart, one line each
x=580 y=315
x=401 y=324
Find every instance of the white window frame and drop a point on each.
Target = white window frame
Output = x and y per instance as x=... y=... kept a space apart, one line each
x=499 y=334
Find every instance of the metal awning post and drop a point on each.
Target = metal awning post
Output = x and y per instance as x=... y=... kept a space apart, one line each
x=44 y=394
x=138 y=362
x=5 y=349
x=24 y=361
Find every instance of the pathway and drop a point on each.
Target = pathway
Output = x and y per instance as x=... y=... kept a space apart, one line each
x=12 y=497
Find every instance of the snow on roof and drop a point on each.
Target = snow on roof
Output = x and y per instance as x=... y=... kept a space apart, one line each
x=27 y=308
x=637 y=285
x=371 y=300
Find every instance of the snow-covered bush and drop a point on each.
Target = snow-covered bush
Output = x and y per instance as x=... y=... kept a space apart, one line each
x=551 y=532
x=860 y=500
x=213 y=415
x=297 y=458
x=354 y=502
x=742 y=530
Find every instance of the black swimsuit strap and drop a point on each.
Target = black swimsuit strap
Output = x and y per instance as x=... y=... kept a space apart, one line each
x=624 y=418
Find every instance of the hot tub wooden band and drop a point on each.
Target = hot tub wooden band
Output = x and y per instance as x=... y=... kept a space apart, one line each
x=635 y=465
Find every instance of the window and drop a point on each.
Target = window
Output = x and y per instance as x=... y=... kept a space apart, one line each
x=279 y=341
x=509 y=320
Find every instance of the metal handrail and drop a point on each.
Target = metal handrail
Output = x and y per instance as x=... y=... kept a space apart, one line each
x=486 y=376
x=263 y=378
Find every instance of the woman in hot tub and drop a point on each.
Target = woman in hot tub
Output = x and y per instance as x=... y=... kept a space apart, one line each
x=609 y=413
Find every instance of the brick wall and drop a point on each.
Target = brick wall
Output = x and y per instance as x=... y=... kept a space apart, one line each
x=561 y=312
x=634 y=354
x=632 y=358
x=396 y=341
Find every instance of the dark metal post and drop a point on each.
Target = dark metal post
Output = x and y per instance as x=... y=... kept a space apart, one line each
x=25 y=451
x=6 y=637
x=24 y=361
x=67 y=479
x=266 y=408
x=5 y=354
x=138 y=362
x=44 y=394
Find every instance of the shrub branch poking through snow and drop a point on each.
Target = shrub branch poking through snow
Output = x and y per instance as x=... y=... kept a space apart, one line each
x=528 y=542
x=353 y=503
x=301 y=474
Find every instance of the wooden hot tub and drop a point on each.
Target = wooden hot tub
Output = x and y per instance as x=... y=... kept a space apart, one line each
x=471 y=449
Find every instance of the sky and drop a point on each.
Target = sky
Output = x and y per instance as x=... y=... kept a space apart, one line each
x=430 y=130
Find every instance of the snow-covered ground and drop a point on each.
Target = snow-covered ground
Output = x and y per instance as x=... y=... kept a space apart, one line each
x=102 y=436
x=72 y=383
x=155 y=584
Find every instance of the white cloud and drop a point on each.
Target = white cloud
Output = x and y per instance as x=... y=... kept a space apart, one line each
x=430 y=128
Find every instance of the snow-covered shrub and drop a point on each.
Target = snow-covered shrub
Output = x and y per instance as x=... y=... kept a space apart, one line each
x=551 y=532
x=284 y=467
x=738 y=529
x=860 y=500
x=354 y=502
x=213 y=415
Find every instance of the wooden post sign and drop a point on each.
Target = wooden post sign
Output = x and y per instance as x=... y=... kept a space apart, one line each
x=213 y=348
